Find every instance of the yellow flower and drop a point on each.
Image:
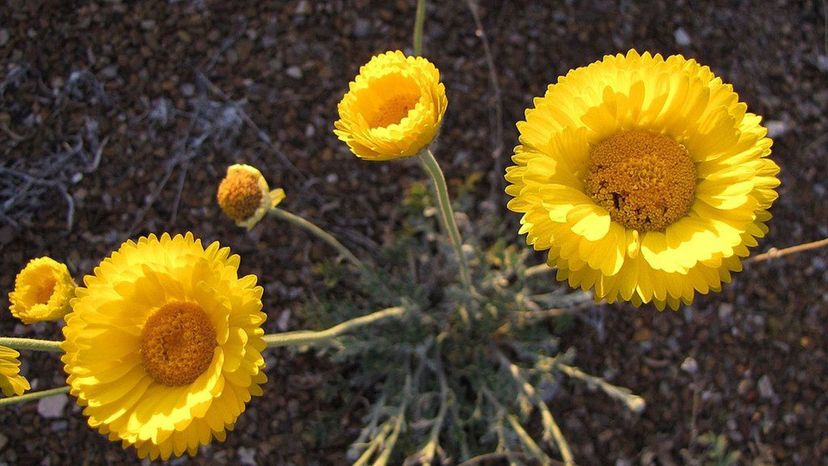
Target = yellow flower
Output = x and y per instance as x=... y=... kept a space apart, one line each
x=244 y=196
x=164 y=345
x=11 y=382
x=42 y=291
x=393 y=108
x=646 y=179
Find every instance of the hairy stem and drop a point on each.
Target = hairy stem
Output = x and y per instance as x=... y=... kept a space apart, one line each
x=774 y=253
x=32 y=396
x=319 y=233
x=310 y=337
x=419 y=20
x=31 y=344
x=446 y=212
x=633 y=402
x=550 y=426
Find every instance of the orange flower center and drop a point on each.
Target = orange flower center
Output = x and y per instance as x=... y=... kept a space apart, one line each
x=646 y=180
x=177 y=344
x=239 y=195
x=43 y=291
x=393 y=110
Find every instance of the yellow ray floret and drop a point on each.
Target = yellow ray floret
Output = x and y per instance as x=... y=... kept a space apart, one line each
x=163 y=348
x=11 y=382
x=644 y=178
x=42 y=291
x=245 y=197
x=393 y=108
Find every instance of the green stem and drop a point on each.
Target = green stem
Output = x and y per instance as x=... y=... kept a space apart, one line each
x=310 y=337
x=418 y=28
x=319 y=233
x=32 y=396
x=431 y=167
x=31 y=344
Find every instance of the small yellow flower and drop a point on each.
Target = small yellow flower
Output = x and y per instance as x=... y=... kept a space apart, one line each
x=163 y=348
x=42 y=291
x=393 y=108
x=245 y=197
x=645 y=179
x=11 y=382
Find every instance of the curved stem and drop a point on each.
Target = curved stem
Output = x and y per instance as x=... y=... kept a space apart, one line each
x=319 y=233
x=310 y=337
x=431 y=167
x=32 y=396
x=419 y=20
x=774 y=253
x=31 y=344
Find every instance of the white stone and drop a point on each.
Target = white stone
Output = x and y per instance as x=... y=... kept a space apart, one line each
x=51 y=407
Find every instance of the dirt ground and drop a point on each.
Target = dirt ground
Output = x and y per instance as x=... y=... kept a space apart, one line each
x=132 y=111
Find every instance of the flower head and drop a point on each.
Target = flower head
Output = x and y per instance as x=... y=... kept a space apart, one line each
x=42 y=291
x=164 y=345
x=644 y=178
x=245 y=197
x=393 y=108
x=11 y=382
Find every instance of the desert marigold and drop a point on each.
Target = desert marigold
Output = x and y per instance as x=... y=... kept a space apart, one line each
x=11 y=382
x=393 y=108
x=245 y=197
x=42 y=291
x=163 y=348
x=645 y=179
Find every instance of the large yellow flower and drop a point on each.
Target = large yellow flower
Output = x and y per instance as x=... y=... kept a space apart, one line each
x=11 y=382
x=245 y=197
x=164 y=345
x=646 y=179
x=42 y=291
x=393 y=108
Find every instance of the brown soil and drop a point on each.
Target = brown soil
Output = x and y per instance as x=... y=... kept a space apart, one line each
x=173 y=92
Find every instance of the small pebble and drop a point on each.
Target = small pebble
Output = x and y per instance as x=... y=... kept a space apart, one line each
x=822 y=63
x=765 y=387
x=51 y=407
x=690 y=365
x=682 y=38
x=247 y=456
x=294 y=72
x=776 y=128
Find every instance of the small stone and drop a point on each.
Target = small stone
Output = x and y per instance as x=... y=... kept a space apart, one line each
x=362 y=27
x=51 y=407
x=776 y=128
x=187 y=89
x=294 y=72
x=725 y=309
x=184 y=36
x=110 y=71
x=283 y=320
x=822 y=63
x=682 y=37
x=765 y=387
x=59 y=426
x=247 y=456
x=744 y=387
x=690 y=365
x=4 y=37
x=148 y=24
x=303 y=8
x=3 y=441
x=642 y=334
